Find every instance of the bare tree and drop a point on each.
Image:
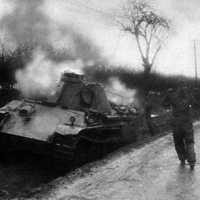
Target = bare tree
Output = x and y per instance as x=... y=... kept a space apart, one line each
x=149 y=29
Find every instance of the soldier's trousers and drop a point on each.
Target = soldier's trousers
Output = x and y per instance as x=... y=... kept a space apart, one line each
x=184 y=142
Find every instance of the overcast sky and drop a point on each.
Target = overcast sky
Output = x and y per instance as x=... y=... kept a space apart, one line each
x=94 y=19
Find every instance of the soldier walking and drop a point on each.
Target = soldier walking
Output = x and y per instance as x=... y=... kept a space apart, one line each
x=180 y=102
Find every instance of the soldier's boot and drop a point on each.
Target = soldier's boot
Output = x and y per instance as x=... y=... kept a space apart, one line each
x=191 y=157
x=180 y=148
x=182 y=162
x=192 y=165
x=181 y=154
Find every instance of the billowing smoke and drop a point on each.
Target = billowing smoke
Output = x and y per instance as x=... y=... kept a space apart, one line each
x=41 y=76
x=118 y=93
x=66 y=35
x=55 y=47
x=28 y=24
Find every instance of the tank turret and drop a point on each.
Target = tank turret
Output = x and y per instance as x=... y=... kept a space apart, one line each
x=74 y=92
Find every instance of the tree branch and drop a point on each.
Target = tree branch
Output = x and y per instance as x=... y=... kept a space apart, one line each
x=139 y=47
x=155 y=54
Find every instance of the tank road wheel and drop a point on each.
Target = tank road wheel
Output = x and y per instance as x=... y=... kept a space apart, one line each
x=63 y=153
x=81 y=153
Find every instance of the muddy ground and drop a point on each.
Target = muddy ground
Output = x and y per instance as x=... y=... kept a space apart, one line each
x=151 y=172
x=22 y=174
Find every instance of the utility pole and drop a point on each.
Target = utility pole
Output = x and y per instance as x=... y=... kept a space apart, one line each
x=195 y=62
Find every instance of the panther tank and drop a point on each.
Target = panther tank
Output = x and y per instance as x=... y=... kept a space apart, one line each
x=74 y=123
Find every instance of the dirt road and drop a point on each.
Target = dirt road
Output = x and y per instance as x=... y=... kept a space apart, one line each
x=148 y=173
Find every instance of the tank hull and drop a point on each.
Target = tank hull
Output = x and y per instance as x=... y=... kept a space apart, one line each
x=67 y=151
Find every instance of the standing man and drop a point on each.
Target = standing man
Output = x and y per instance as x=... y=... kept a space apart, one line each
x=180 y=102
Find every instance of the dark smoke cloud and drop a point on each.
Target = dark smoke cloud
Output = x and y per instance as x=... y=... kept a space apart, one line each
x=78 y=46
x=28 y=24
x=42 y=47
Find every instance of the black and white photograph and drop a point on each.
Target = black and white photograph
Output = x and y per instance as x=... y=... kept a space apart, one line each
x=99 y=100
